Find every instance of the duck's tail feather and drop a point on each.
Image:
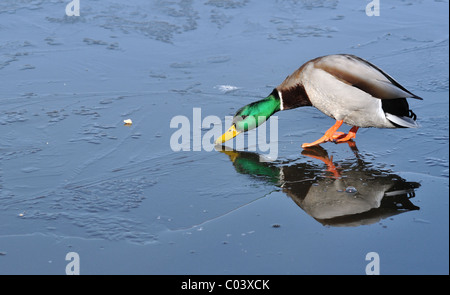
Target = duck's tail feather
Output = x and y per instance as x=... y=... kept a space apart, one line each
x=403 y=121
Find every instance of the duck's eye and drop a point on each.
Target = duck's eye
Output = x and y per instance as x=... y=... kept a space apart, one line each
x=239 y=118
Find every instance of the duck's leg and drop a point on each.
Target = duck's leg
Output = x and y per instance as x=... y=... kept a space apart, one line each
x=328 y=136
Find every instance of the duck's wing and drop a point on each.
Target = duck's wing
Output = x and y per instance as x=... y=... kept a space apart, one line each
x=363 y=75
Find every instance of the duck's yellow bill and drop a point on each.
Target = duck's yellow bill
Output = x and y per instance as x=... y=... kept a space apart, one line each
x=231 y=133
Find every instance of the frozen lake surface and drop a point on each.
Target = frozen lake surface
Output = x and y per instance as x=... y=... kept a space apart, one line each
x=73 y=178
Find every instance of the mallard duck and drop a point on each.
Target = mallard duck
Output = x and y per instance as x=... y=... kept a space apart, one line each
x=345 y=87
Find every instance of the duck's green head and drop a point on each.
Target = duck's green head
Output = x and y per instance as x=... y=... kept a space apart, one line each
x=251 y=116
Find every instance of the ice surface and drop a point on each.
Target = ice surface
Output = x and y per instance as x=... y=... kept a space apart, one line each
x=74 y=178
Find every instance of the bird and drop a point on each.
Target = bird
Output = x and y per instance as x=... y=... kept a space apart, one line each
x=345 y=87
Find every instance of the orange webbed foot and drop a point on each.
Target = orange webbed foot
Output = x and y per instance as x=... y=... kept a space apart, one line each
x=333 y=135
x=349 y=136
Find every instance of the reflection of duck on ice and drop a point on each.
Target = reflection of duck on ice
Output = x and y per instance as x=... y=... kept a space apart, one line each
x=351 y=194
